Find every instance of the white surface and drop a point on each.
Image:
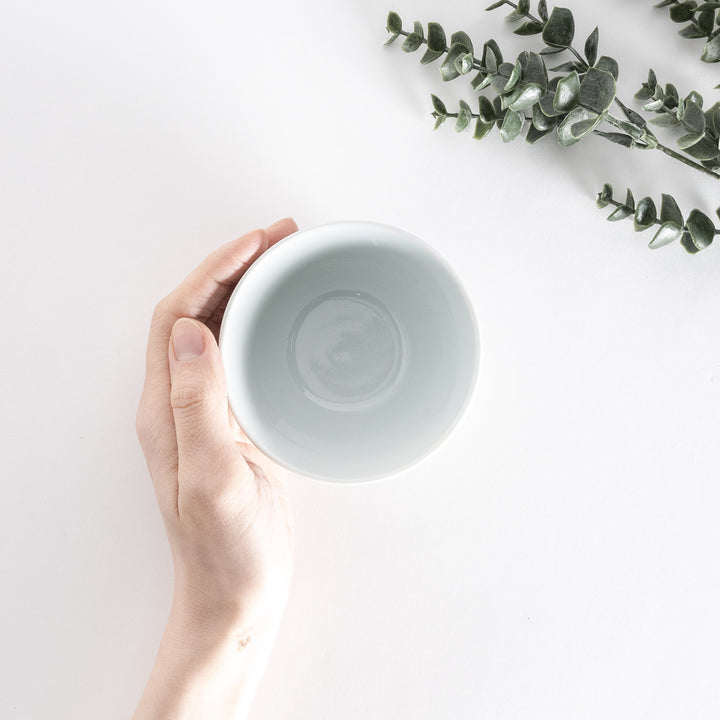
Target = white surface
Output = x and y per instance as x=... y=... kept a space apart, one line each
x=557 y=559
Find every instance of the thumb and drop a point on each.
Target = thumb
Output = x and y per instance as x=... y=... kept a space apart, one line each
x=198 y=395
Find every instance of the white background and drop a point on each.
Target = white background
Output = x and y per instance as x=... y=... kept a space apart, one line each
x=558 y=558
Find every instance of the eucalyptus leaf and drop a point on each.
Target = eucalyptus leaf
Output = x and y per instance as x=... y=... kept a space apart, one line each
x=618 y=138
x=559 y=30
x=591 y=46
x=665 y=120
x=581 y=117
x=605 y=196
x=394 y=23
x=711 y=51
x=608 y=64
x=701 y=229
x=464 y=63
x=542 y=10
x=704 y=149
x=462 y=38
x=514 y=77
x=439 y=105
x=412 y=42
x=439 y=120
x=526 y=97
x=448 y=71
x=693 y=118
x=597 y=90
x=482 y=129
x=495 y=5
x=464 y=116
x=645 y=214
x=512 y=125
x=436 y=39
x=630 y=200
x=682 y=12
x=529 y=28
x=567 y=93
x=668 y=232
x=687 y=243
x=669 y=210
x=431 y=56
x=533 y=134
x=486 y=111
x=620 y=213
x=541 y=121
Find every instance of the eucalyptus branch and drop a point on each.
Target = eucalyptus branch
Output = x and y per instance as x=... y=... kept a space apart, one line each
x=572 y=99
x=702 y=24
x=695 y=233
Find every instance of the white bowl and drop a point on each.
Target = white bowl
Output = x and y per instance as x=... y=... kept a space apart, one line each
x=351 y=351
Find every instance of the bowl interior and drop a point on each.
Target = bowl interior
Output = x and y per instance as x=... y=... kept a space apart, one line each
x=350 y=351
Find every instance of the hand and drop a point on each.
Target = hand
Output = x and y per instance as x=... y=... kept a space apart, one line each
x=223 y=503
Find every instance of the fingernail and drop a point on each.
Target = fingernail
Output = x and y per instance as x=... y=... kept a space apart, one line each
x=187 y=340
x=279 y=222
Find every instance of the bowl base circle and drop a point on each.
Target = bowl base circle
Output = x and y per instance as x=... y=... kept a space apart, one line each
x=345 y=350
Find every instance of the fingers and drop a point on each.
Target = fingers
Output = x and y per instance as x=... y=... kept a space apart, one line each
x=198 y=296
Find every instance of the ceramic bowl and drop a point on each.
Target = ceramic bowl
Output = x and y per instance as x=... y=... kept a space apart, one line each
x=351 y=351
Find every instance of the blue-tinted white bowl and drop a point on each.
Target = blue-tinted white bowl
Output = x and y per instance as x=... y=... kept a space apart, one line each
x=351 y=351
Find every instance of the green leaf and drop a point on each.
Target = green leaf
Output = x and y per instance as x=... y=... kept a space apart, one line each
x=436 y=38
x=392 y=38
x=439 y=105
x=584 y=119
x=439 y=120
x=534 y=70
x=559 y=30
x=711 y=51
x=605 y=195
x=701 y=229
x=645 y=214
x=526 y=97
x=514 y=77
x=568 y=67
x=620 y=213
x=448 y=71
x=597 y=90
x=703 y=149
x=529 y=28
x=496 y=5
x=682 y=12
x=464 y=63
x=665 y=120
x=486 y=111
x=687 y=243
x=481 y=81
x=412 y=42
x=491 y=47
x=464 y=116
x=540 y=121
x=567 y=93
x=394 y=23
x=668 y=232
x=542 y=10
x=618 y=138
x=693 y=118
x=499 y=80
x=482 y=129
x=523 y=7
x=591 y=46
x=669 y=211
x=512 y=125
x=430 y=56
x=630 y=200
x=533 y=134
x=463 y=39
x=695 y=97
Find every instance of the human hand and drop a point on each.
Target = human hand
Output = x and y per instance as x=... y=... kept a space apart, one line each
x=223 y=503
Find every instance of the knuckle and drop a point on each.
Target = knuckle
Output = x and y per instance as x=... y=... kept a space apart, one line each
x=188 y=400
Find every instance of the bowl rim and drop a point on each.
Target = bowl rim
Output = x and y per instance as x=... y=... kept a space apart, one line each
x=346 y=229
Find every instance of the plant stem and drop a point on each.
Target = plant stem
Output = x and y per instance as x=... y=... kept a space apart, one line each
x=670 y=152
x=532 y=18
